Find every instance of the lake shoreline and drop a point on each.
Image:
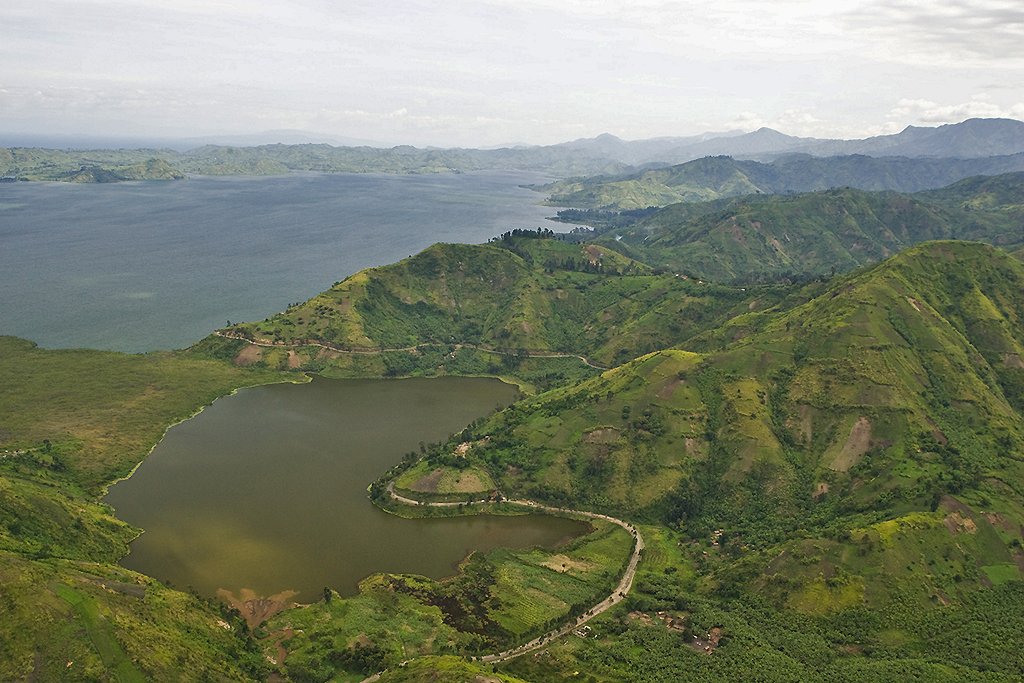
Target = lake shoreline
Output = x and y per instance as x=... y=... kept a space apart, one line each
x=325 y=439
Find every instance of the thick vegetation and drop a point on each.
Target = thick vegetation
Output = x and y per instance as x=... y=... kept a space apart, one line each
x=518 y=298
x=767 y=238
x=719 y=177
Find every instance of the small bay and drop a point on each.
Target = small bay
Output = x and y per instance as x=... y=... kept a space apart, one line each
x=266 y=489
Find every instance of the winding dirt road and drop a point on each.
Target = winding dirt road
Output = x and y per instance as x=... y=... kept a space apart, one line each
x=266 y=343
x=619 y=594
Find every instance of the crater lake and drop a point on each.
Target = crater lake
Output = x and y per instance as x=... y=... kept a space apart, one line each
x=266 y=489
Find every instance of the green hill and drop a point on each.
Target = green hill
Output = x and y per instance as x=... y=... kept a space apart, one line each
x=1002 y=192
x=695 y=181
x=849 y=473
x=721 y=177
x=93 y=166
x=919 y=352
x=766 y=238
x=518 y=296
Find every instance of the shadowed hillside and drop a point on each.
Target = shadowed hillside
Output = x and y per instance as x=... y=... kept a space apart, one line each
x=761 y=238
x=720 y=177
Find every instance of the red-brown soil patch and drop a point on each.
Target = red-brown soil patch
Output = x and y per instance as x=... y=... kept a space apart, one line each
x=998 y=520
x=428 y=482
x=593 y=254
x=249 y=355
x=277 y=639
x=666 y=391
x=254 y=608
x=857 y=444
x=1013 y=360
x=327 y=354
x=951 y=504
x=958 y=524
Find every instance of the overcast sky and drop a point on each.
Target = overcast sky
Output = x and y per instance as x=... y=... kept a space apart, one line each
x=502 y=71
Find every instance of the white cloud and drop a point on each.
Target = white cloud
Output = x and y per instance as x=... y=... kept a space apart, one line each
x=931 y=113
x=487 y=71
x=944 y=32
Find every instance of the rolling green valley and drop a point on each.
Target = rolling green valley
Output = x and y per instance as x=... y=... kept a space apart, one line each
x=826 y=475
x=512 y=342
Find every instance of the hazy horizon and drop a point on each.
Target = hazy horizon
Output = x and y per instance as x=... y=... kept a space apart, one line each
x=497 y=72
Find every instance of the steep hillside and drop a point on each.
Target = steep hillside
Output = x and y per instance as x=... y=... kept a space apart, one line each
x=1003 y=192
x=812 y=234
x=899 y=385
x=837 y=481
x=516 y=296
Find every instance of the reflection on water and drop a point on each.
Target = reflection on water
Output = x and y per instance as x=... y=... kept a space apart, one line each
x=266 y=490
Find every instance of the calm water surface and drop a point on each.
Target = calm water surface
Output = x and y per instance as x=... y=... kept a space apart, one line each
x=159 y=265
x=266 y=489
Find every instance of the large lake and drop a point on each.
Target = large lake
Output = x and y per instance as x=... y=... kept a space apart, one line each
x=159 y=265
x=266 y=489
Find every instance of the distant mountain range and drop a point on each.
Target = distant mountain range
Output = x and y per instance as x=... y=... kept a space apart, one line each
x=974 y=139
x=969 y=139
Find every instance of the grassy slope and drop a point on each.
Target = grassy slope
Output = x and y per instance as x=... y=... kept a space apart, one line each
x=74 y=621
x=835 y=540
x=917 y=355
x=695 y=181
x=527 y=294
